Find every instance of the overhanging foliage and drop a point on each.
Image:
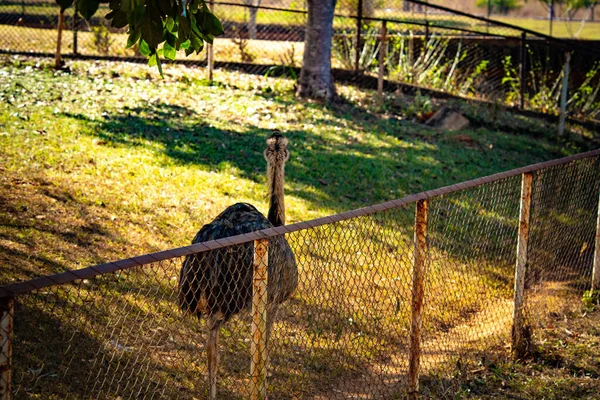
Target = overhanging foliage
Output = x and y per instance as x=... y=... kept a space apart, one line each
x=174 y=24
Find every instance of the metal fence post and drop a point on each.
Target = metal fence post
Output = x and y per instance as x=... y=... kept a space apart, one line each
x=382 y=49
x=358 y=33
x=210 y=55
x=258 y=366
x=563 y=95
x=417 y=298
x=518 y=339
x=6 y=343
x=596 y=269
x=523 y=70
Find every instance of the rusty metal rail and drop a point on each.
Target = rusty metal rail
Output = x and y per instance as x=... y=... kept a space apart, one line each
x=17 y=288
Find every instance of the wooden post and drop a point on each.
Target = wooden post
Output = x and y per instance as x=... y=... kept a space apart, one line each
x=6 y=343
x=57 y=56
x=596 y=269
x=411 y=58
x=258 y=366
x=551 y=11
x=523 y=71
x=564 y=94
x=358 y=33
x=381 y=61
x=75 y=27
x=210 y=55
x=417 y=298
x=518 y=343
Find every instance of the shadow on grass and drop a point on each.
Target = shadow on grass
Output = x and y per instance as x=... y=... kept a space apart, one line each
x=339 y=175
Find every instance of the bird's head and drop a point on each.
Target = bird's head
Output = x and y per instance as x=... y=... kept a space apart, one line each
x=276 y=151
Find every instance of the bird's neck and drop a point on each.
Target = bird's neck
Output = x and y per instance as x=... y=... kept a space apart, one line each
x=275 y=175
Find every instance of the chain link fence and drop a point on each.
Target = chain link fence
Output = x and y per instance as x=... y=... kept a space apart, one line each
x=415 y=48
x=383 y=302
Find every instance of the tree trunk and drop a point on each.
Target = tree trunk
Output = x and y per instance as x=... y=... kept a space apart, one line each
x=315 y=78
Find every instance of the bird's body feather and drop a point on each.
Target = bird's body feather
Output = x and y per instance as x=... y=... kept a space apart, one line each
x=218 y=283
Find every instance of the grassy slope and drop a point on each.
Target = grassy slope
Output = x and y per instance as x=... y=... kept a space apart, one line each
x=119 y=164
x=108 y=161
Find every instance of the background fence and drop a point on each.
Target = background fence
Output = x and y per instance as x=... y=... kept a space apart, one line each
x=415 y=46
x=425 y=286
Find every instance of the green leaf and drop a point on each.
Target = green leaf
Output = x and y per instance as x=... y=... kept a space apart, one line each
x=114 y=4
x=118 y=19
x=193 y=6
x=185 y=45
x=170 y=23
x=133 y=38
x=137 y=16
x=127 y=6
x=171 y=39
x=144 y=48
x=153 y=60
x=196 y=43
x=87 y=8
x=64 y=4
x=184 y=28
x=169 y=52
x=152 y=27
x=166 y=7
x=209 y=24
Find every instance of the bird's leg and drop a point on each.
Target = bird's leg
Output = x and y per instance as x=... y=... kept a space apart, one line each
x=213 y=356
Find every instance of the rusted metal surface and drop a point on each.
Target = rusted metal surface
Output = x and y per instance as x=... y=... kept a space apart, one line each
x=258 y=366
x=418 y=291
x=6 y=341
x=518 y=339
x=382 y=48
x=596 y=268
x=89 y=272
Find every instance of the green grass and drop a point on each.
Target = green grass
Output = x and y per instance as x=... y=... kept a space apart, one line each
x=101 y=120
x=107 y=161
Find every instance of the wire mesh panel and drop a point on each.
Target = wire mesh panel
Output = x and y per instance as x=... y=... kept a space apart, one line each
x=345 y=333
x=262 y=36
x=145 y=332
x=470 y=277
x=121 y=335
x=564 y=209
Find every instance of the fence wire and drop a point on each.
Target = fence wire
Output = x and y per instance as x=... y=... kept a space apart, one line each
x=429 y=49
x=326 y=311
x=564 y=207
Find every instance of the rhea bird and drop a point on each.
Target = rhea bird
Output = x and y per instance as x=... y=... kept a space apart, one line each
x=217 y=284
